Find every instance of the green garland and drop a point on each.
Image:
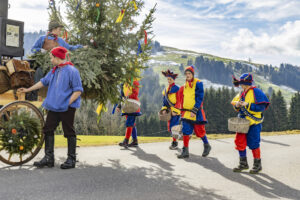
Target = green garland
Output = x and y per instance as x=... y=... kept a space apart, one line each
x=20 y=134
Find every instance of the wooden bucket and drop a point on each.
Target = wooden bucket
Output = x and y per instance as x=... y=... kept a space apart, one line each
x=166 y=116
x=177 y=132
x=238 y=125
x=4 y=80
x=131 y=106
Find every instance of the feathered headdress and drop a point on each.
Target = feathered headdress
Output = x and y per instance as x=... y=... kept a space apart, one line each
x=169 y=73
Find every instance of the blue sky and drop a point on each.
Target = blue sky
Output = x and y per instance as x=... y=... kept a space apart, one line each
x=267 y=31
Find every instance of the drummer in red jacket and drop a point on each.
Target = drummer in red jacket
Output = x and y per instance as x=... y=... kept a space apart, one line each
x=130 y=91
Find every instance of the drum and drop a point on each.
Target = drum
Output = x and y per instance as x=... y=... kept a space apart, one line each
x=131 y=106
x=177 y=132
x=238 y=125
x=165 y=116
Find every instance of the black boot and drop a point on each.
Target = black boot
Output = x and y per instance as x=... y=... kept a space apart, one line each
x=134 y=143
x=184 y=153
x=174 y=145
x=124 y=143
x=242 y=166
x=48 y=159
x=256 y=166
x=71 y=160
x=206 y=150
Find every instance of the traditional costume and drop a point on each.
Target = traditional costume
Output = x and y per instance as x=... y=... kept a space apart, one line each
x=191 y=101
x=257 y=102
x=170 y=103
x=130 y=92
x=51 y=40
x=62 y=81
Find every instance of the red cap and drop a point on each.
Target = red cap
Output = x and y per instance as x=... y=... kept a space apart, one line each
x=190 y=68
x=59 y=52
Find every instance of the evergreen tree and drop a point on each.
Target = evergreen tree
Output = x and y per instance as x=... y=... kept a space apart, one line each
x=280 y=111
x=294 y=112
x=114 y=55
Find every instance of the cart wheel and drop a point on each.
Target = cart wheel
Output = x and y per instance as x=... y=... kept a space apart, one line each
x=33 y=111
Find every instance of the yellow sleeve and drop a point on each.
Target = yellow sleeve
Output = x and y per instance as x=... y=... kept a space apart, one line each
x=235 y=99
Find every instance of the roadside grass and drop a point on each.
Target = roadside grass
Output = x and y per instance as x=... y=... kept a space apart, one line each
x=86 y=141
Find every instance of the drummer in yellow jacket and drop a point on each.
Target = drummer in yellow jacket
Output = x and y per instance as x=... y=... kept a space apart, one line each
x=250 y=104
x=170 y=95
x=193 y=116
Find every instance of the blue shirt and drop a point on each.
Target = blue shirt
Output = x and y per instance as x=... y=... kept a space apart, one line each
x=40 y=42
x=61 y=85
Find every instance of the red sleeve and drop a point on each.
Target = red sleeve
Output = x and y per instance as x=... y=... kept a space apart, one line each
x=179 y=98
x=135 y=91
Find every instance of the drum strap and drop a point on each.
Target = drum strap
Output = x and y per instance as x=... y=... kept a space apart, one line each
x=246 y=113
x=168 y=100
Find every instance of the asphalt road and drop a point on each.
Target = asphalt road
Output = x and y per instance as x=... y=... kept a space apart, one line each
x=154 y=172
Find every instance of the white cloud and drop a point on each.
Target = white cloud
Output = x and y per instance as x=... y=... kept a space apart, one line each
x=33 y=13
x=284 y=42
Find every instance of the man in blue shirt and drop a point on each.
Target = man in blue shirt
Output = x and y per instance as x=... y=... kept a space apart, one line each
x=51 y=40
x=63 y=97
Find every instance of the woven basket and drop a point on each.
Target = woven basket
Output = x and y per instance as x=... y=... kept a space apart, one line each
x=131 y=106
x=238 y=125
x=4 y=80
x=177 y=132
x=166 y=116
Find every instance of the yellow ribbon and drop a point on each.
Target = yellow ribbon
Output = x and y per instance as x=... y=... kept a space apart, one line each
x=121 y=15
x=134 y=4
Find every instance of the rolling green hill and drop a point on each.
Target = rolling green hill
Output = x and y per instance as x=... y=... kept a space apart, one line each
x=172 y=58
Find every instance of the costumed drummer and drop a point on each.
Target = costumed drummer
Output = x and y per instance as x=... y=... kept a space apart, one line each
x=63 y=97
x=193 y=116
x=130 y=91
x=250 y=104
x=52 y=39
x=170 y=95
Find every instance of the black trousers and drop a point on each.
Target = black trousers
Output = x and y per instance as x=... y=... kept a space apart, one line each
x=67 y=119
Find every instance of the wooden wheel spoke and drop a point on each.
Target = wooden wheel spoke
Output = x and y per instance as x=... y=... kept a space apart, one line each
x=9 y=157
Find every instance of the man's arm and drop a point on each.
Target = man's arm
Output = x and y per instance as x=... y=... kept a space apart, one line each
x=74 y=96
x=37 y=86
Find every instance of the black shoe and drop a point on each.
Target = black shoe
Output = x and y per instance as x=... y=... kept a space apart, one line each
x=134 y=143
x=184 y=153
x=71 y=160
x=174 y=145
x=242 y=166
x=124 y=143
x=48 y=160
x=256 y=166
x=206 y=150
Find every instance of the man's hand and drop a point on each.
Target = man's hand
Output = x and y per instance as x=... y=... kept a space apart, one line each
x=174 y=113
x=22 y=90
x=238 y=104
x=164 y=112
x=118 y=110
x=245 y=104
x=193 y=115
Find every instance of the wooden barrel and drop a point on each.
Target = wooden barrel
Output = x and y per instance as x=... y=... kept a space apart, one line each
x=238 y=125
x=4 y=80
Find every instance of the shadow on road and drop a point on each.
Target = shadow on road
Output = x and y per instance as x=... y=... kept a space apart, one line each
x=264 y=184
x=152 y=158
x=277 y=143
x=99 y=182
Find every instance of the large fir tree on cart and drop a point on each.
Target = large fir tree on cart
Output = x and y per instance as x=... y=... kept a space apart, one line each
x=118 y=46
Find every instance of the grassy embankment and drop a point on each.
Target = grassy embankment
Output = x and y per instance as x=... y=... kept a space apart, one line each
x=60 y=141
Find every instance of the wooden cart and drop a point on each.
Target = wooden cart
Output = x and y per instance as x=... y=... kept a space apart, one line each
x=13 y=102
